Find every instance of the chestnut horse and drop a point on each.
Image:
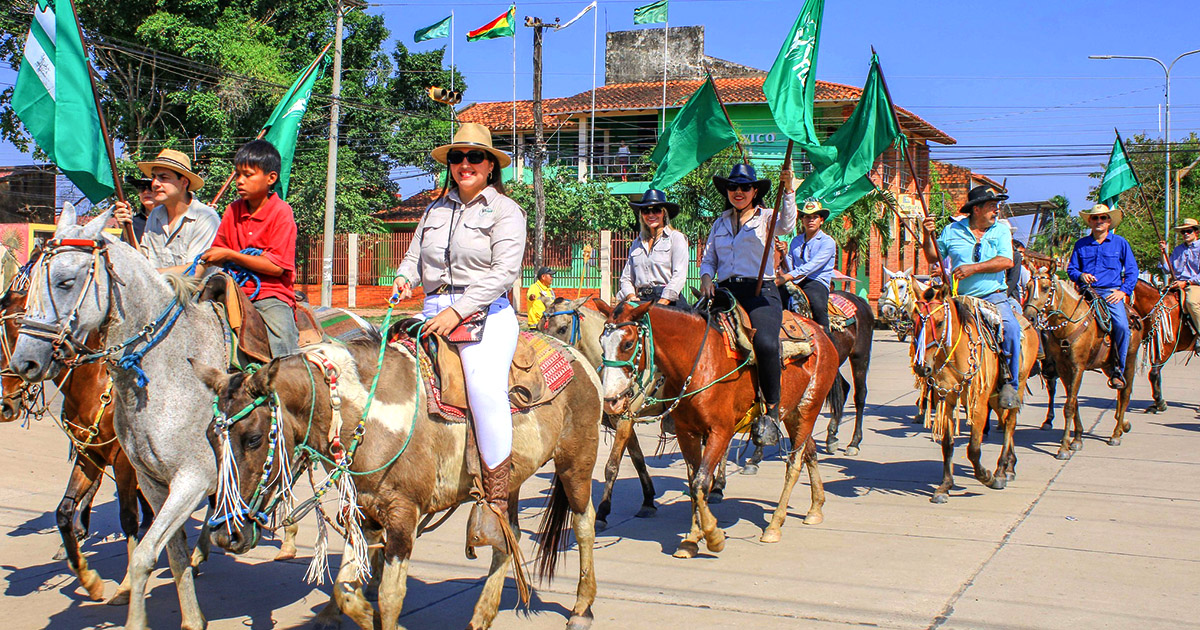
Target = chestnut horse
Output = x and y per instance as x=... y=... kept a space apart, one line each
x=709 y=392
x=1076 y=345
x=959 y=366
x=1165 y=335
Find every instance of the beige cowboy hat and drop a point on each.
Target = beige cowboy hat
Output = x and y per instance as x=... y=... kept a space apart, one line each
x=176 y=161
x=1188 y=224
x=1100 y=208
x=471 y=136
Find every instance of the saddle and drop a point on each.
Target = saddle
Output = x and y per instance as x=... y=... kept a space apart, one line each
x=249 y=329
x=795 y=341
x=540 y=370
x=841 y=309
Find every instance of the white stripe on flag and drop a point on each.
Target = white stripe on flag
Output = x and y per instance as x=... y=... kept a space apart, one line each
x=46 y=20
x=40 y=63
x=581 y=14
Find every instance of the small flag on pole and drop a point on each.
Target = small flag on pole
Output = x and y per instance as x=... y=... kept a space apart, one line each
x=53 y=98
x=283 y=127
x=1118 y=176
x=436 y=31
x=791 y=85
x=577 y=16
x=699 y=131
x=653 y=13
x=499 y=27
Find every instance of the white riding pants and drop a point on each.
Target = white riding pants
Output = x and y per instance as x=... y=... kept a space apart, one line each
x=485 y=369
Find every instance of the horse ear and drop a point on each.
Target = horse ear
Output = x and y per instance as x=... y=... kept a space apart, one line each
x=603 y=307
x=889 y=272
x=578 y=304
x=215 y=380
x=908 y=272
x=66 y=219
x=641 y=310
x=95 y=227
x=259 y=384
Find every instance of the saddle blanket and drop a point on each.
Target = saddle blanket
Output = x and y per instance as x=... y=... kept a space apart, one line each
x=840 y=305
x=794 y=340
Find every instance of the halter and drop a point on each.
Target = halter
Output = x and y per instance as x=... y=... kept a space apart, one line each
x=899 y=324
x=1051 y=309
x=576 y=323
x=924 y=314
x=232 y=508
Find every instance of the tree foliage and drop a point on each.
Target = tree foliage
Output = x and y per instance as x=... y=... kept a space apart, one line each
x=573 y=206
x=1057 y=234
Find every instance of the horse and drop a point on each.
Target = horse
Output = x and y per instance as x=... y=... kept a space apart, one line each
x=569 y=322
x=411 y=464
x=955 y=360
x=709 y=391
x=88 y=281
x=1166 y=334
x=1076 y=345
x=895 y=302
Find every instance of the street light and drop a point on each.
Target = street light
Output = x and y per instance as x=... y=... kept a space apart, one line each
x=1167 y=138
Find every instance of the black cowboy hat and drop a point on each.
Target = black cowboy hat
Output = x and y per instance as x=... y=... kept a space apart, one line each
x=654 y=197
x=141 y=183
x=980 y=195
x=743 y=174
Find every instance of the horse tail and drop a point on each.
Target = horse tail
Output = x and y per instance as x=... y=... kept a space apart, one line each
x=552 y=532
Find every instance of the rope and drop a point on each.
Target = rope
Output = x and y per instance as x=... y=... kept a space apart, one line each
x=240 y=274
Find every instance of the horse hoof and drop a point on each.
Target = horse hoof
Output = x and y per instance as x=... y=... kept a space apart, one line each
x=814 y=518
x=998 y=482
x=1047 y=425
x=1063 y=453
x=61 y=554
x=198 y=557
x=851 y=451
x=687 y=549
x=715 y=497
x=580 y=622
x=831 y=447
x=647 y=511
x=771 y=535
x=749 y=469
x=716 y=543
x=1127 y=427
x=603 y=525
x=94 y=585
x=1010 y=476
x=285 y=554
x=939 y=498
x=1077 y=445
x=121 y=598
x=1114 y=441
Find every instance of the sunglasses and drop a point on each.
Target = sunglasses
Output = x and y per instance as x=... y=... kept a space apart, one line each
x=1189 y=231
x=474 y=157
x=978 y=252
x=653 y=210
x=1100 y=217
x=740 y=187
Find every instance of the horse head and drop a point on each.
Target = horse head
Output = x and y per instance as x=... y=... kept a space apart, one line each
x=562 y=318
x=1039 y=293
x=251 y=436
x=930 y=317
x=896 y=299
x=624 y=355
x=69 y=297
x=12 y=309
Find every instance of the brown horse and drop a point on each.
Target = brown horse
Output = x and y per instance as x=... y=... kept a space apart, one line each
x=959 y=366
x=416 y=463
x=1166 y=333
x=710 y=392
x=1077 y=345
x=87 y=418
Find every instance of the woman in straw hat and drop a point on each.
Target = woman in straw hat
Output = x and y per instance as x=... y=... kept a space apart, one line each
x=658 y=256
x=179 y=227
x=732 y=257
x=466 y=253
x=1185 y=260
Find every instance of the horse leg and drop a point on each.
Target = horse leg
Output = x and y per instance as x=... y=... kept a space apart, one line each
x=85 y=476
x=287 y=548
x=714 y=452
x=348 y=595
x=181 y=570
x=980 y=416
x=837 y=403
x=575 y=474
x=1123 y=425
x=859 y=370
x=717 y=494
x=1051 y=380
x=1071 y=381
x=393 y=576
x=611 y=469
x=774 y=531
x=751 y=465
x=815 y=515
x=129 y=499
x=636 y=456
x=689 y=445
x=172 y=506
x=942 y=493
x=204 y=541
x=1155 y=378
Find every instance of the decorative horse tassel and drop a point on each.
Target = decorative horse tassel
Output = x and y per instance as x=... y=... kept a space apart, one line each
x=351 y=517
x=230 y=508
x=319 y=565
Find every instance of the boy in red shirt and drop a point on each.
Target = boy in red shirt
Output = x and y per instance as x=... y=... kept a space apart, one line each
x=261 y=220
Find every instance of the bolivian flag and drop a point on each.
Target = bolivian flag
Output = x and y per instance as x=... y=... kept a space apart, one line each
x=499 y=27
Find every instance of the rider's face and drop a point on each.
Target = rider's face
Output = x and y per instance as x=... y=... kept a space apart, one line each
x=1189 y=236
x=984 y=216
x=168 y=186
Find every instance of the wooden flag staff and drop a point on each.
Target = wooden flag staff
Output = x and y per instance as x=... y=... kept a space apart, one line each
x=768 y=247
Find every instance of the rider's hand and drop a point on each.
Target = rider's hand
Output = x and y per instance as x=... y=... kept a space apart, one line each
x=217 y=255
x=1180 y=284
x=1087 y=277
x=1116 y=297
x=783 y=279
x=964 y=271
x=789 y=180
x=706 y=287
x=930 y=223
x=1163 y=246
x=402 y=288
x=443 y=322
x=122 y=212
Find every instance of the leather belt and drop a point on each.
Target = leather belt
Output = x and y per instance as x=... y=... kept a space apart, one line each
x=447 y=289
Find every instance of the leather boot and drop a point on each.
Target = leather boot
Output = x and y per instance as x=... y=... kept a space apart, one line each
x=765 y=431
x=489 y=516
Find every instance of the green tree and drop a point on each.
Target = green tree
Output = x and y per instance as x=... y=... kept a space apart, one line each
x=1059 y=231
x=573 y=206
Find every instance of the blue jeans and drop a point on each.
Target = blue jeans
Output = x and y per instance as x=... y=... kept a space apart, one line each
x=1011 y=346
x=1120 y=328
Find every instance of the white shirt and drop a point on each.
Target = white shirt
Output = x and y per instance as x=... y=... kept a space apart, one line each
x=728 y=254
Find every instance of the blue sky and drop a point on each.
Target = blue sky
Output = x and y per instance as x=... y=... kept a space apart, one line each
x=996 y=76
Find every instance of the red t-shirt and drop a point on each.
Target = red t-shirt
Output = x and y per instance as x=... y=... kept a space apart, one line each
x=273 y=230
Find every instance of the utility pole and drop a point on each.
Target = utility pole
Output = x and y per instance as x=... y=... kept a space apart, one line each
x=331 y=174
x=539 y=141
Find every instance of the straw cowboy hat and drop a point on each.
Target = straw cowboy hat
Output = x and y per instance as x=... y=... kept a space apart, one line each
x=1114 y=213
x=812 y=206
x=980 y=195
x=1188 y=224
x=471 y=136
x=654 y=197
x=177 y=161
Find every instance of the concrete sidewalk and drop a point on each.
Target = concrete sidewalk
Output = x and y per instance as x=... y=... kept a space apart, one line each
x=1104 y=540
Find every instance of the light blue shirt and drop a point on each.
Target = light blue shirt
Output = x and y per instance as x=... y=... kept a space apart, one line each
x=813 y=259
x=1185 y=259
x=957 y=243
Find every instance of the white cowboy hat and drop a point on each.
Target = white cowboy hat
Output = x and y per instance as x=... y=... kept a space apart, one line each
x=1188 y=224
x=471 y=136
x=175 y=161
x=1114 y=213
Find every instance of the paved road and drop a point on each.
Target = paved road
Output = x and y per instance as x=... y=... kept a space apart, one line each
x=1104 y=540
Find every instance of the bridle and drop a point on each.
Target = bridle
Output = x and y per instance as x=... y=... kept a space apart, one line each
x=576 y=323
x=1050 y=307
x=924 y=311
x=67 y=347
x=903 y=298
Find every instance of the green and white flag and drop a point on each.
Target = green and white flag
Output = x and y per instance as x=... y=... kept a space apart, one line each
x=791 y=85
x=1118 y=177
x=283 y=127
x=436 y=31
x=653 y=13
x=54 y=100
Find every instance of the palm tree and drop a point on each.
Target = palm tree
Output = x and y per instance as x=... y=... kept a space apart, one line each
x=1058 y=235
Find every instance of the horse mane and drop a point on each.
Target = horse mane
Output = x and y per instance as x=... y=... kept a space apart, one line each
x=184 y=287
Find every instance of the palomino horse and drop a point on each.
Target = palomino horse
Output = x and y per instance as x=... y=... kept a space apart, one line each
x=896 y=301
x=1077 y=345
x=88 y=281
x=410 y=464
x=1166 y=334
x=957 y=363
x=709 y=393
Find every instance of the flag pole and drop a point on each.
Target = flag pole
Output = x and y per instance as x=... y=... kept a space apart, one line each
x=769 y=246
x=312 y=67
x=717 y=93
x=126 y=227
x=592 y=118
x=666 y=33
x=514 y=94
x=452 y=73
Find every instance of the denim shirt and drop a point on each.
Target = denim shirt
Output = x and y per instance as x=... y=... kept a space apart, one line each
x=813 y=260
x=1185 y=259
x=957 y=243
x=1112 y=263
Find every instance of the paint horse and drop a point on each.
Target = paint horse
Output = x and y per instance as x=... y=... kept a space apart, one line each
x=1168 y=331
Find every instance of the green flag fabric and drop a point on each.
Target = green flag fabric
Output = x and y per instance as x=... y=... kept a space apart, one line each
x=791 y=85
x=843 y=162
x=436 y=31
x=653 y=13
x=283 y=126
x=53 y=98
x=698 y=132
x=1118 y=177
